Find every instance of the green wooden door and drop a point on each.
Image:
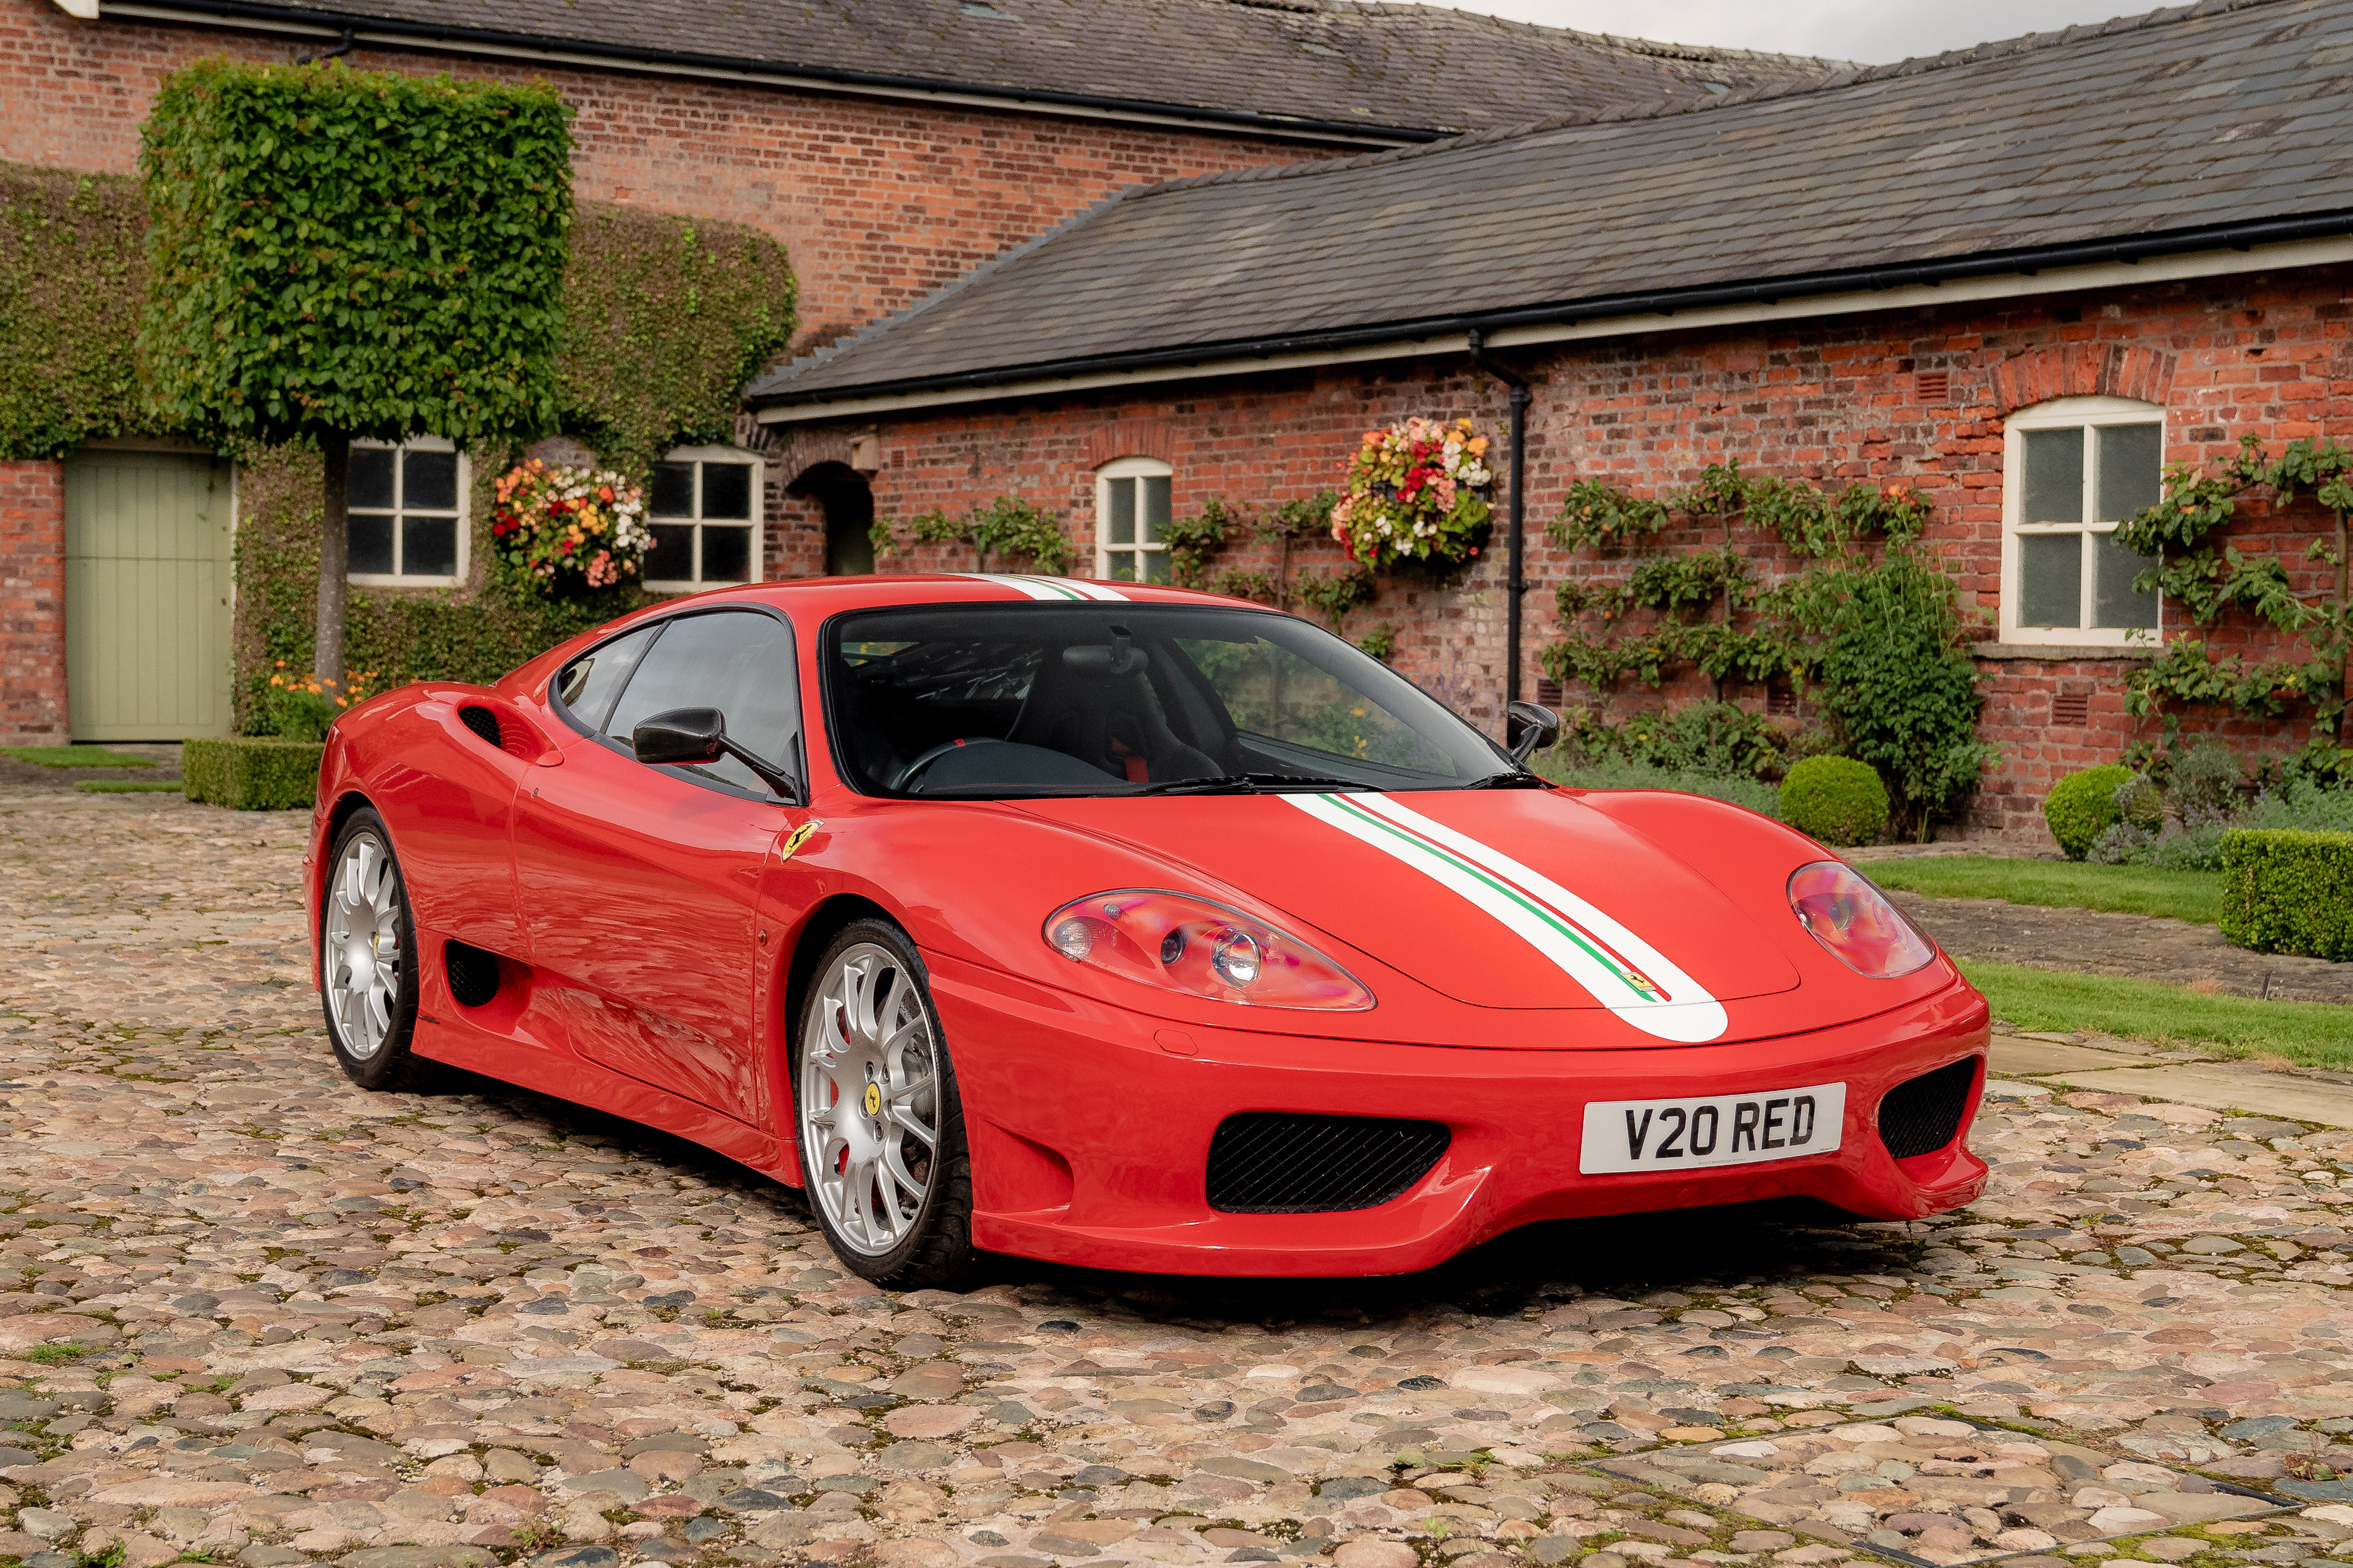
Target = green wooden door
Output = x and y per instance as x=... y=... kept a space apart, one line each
x=147 y=591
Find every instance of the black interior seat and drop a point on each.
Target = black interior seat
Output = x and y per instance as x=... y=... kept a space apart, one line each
x=1096 y=704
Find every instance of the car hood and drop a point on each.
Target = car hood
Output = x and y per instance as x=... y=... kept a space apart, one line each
x=1504 y=899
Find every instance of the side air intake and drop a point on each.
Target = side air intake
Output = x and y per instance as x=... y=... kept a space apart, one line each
x=481 y=721
x=1265 y=1161
x=473 y=973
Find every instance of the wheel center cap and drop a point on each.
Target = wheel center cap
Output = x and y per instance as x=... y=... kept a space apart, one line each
x=873 y=1099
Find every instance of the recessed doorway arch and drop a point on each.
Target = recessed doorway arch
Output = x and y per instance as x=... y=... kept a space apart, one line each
x=841 y=492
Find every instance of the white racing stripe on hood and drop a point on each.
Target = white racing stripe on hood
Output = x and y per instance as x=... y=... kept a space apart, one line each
x=1625 y=973
x=1063 y=589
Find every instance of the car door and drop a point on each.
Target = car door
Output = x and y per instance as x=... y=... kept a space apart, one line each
x=639 y=886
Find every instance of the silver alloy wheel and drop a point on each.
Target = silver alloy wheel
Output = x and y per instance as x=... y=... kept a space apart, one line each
x=362 y=946
x=870 y=1099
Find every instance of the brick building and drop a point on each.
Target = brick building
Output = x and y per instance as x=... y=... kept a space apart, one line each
x=2115 y=248
x=890 y=146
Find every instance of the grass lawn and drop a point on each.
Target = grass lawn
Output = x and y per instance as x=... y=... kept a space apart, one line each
x=2068 y=884
x=128 y=787
x=74 y=757
x=2309 y=1034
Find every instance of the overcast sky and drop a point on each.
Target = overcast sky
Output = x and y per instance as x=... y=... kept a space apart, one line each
x=1872 y=31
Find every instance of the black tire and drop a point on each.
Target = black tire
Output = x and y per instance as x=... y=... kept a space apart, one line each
x=933 y=1245
x=388 y=1063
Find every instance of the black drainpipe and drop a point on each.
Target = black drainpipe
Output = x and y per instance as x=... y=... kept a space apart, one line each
x=1514 y=581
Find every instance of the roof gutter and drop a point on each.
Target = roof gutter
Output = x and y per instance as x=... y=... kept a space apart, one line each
x=384 y=30
x=1405 y=335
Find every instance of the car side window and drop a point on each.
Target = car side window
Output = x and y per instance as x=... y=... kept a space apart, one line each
x=590 y=682
x=738 y=661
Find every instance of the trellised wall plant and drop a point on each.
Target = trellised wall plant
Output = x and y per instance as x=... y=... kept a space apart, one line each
x=2198 y=572
x=1882 y=632
x=1007 y=532
x=1196 y=543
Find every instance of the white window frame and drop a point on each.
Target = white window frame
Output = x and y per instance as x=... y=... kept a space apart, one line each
x=1105 y=477
x=2060 y=413
x=397 y=578
x=758 y=526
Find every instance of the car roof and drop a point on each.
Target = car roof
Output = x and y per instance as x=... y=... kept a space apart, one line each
x=827 y=595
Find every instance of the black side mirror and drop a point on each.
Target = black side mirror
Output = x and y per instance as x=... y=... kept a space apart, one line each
x=681 y=735
x=685 y=736
x=1529 y=727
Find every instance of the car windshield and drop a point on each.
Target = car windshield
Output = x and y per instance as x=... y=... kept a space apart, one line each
x=997 y=700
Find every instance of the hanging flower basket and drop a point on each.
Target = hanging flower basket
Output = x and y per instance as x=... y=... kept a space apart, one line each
x=566 y=530
x=1416 y=492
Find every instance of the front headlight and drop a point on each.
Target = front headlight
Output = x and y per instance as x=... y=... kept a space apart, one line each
x=1200 y=948
x=1854 y=920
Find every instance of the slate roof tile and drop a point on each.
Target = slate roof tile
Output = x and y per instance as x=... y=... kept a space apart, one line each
x=1366 y=63
x=2168 y=121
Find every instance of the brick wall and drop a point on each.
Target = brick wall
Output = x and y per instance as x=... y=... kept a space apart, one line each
x=879 y=201
x=1832 y=402
x=31 y=605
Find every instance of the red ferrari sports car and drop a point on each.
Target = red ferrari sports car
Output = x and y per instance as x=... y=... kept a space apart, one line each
x=1116 y=925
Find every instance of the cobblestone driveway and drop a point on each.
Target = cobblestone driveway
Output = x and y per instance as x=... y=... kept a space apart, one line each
x=249 y=1312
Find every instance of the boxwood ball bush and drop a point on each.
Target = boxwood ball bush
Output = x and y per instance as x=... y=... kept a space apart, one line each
x=1835 y=799
x=2289 y=891
x=252 y=773
x=2083 y=805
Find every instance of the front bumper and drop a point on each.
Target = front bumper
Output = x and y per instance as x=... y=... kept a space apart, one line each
x=1090 y=1131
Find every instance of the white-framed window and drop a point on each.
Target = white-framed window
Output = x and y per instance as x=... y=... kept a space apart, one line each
x=2073 y=468
x=1131 y=521
x=408 y=512
x=704 y=510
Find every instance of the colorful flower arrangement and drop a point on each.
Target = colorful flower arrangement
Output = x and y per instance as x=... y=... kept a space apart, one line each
x=1416 y=492
x=569 y=528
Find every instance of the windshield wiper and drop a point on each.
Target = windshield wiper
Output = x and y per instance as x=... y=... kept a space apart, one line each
x=1250 y=784
x=1510 y=781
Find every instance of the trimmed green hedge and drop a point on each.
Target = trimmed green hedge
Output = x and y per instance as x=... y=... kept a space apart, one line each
x=2288 y=892
x=1838 y=800
x=2083 y=805
x=252 y=773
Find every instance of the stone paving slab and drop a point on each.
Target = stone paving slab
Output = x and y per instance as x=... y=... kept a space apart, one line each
x=2027 y=1058
x=2224 y=1088
x=249 y=1312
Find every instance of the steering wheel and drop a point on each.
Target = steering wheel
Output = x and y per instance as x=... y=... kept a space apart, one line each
x=913 y=771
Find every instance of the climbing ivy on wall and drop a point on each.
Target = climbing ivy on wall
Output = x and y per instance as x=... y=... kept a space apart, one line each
x=665 y=320
x=666 y=317
x=72 y=277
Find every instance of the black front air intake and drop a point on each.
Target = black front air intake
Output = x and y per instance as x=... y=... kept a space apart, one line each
x=473 y=973
x=481 y=721
x=1268 y=1162
x=1921 y=1115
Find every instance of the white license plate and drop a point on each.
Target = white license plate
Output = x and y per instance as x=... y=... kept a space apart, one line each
x=1719 y=1130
